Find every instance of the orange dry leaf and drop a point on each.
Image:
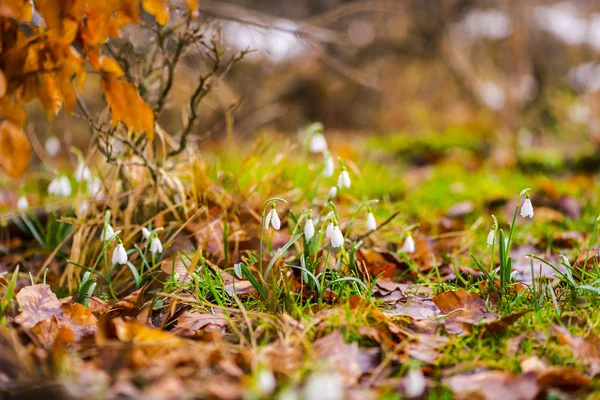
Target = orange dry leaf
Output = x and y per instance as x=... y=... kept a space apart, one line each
x=159 y=9
x=18 y=9
x=193 y=6
x=15 y=149
x=2 y=84
x=127 y=106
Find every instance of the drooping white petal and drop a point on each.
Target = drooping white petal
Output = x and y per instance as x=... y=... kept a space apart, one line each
x=266 y=382
x=145 y=233
x=309 y=229
x=371 y=223
x=83 y=208
x=337 y=239
x=527 y=209
x=491 y=237
x=329 y=168
x=324 y=385
x=344 y=180
x=52 y=146
x=268 y=219
x=95 y=188
x=107 y=233
x=53 y=187
x=82 y=173
x=63 y=187
x=22 y=203
x=156 y=246
x=414 y=383
x=318 y=144
x=409 y=245
x=275 y=221
x=332 y=192
x=119 y=255
x=329 y=230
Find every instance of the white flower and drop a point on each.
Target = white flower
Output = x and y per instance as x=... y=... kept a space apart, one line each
x=60 y=186
x=329 y=230
x=119 y=255
x=94 y=186
x=409 y=245
x=22 y=203
x=266 y=382
x=309 y=229
x=337 y=239
x=52 y=145
x=324 y=386
x=527 y=209
x=83 y=209
x=491 y=237
x=343 y=180
x=107 y=233
x=145 y=233
x=329 y=167
x=371 y=224
x=414 y=383
x=82 y=173
x=332 y=192
x=273 y=219
x=318 y=144
x=155 y=245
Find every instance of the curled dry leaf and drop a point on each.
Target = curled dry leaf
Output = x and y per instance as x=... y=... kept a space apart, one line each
x=38 y=303
x=15 y=149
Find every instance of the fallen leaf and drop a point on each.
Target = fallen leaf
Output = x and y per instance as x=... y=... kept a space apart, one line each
x=494 y=385
x=190 y=323
x=38 y=303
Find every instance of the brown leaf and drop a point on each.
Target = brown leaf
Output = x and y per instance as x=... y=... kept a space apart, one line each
x=375 y=263
x=14 y=149
x=350 y=360
x=458 y=300
x=37 y=303
x=494 y=385
x=79 y=319
x=564 y=378
x=2 y=84
x=189 y=324
x=416 y=308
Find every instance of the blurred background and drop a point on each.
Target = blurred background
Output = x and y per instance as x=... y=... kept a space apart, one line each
x=521 y=74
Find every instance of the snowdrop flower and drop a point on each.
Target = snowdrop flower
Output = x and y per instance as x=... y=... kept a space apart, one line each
x=409 y=245
x=83 y=172
x=119 y=255
x=309 y=229
x=371 y=224
x=60 y=186
x=266 y=382
x=107 y=233
x=344 y=179
x=327 y=386
x=273 y=219
x=83 y=208
x=332 y=192
x=95 y=188
x=52 y=146
x=491 y=237
x=337 y=239
x=318 y=144
x=145 y=233
x=414 y=383
x=527 y=208
x=22 y=203
x=329 y=168
x=329 y=230
x=156 y=245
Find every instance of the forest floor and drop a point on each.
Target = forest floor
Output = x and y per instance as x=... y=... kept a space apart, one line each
x=419 y=307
